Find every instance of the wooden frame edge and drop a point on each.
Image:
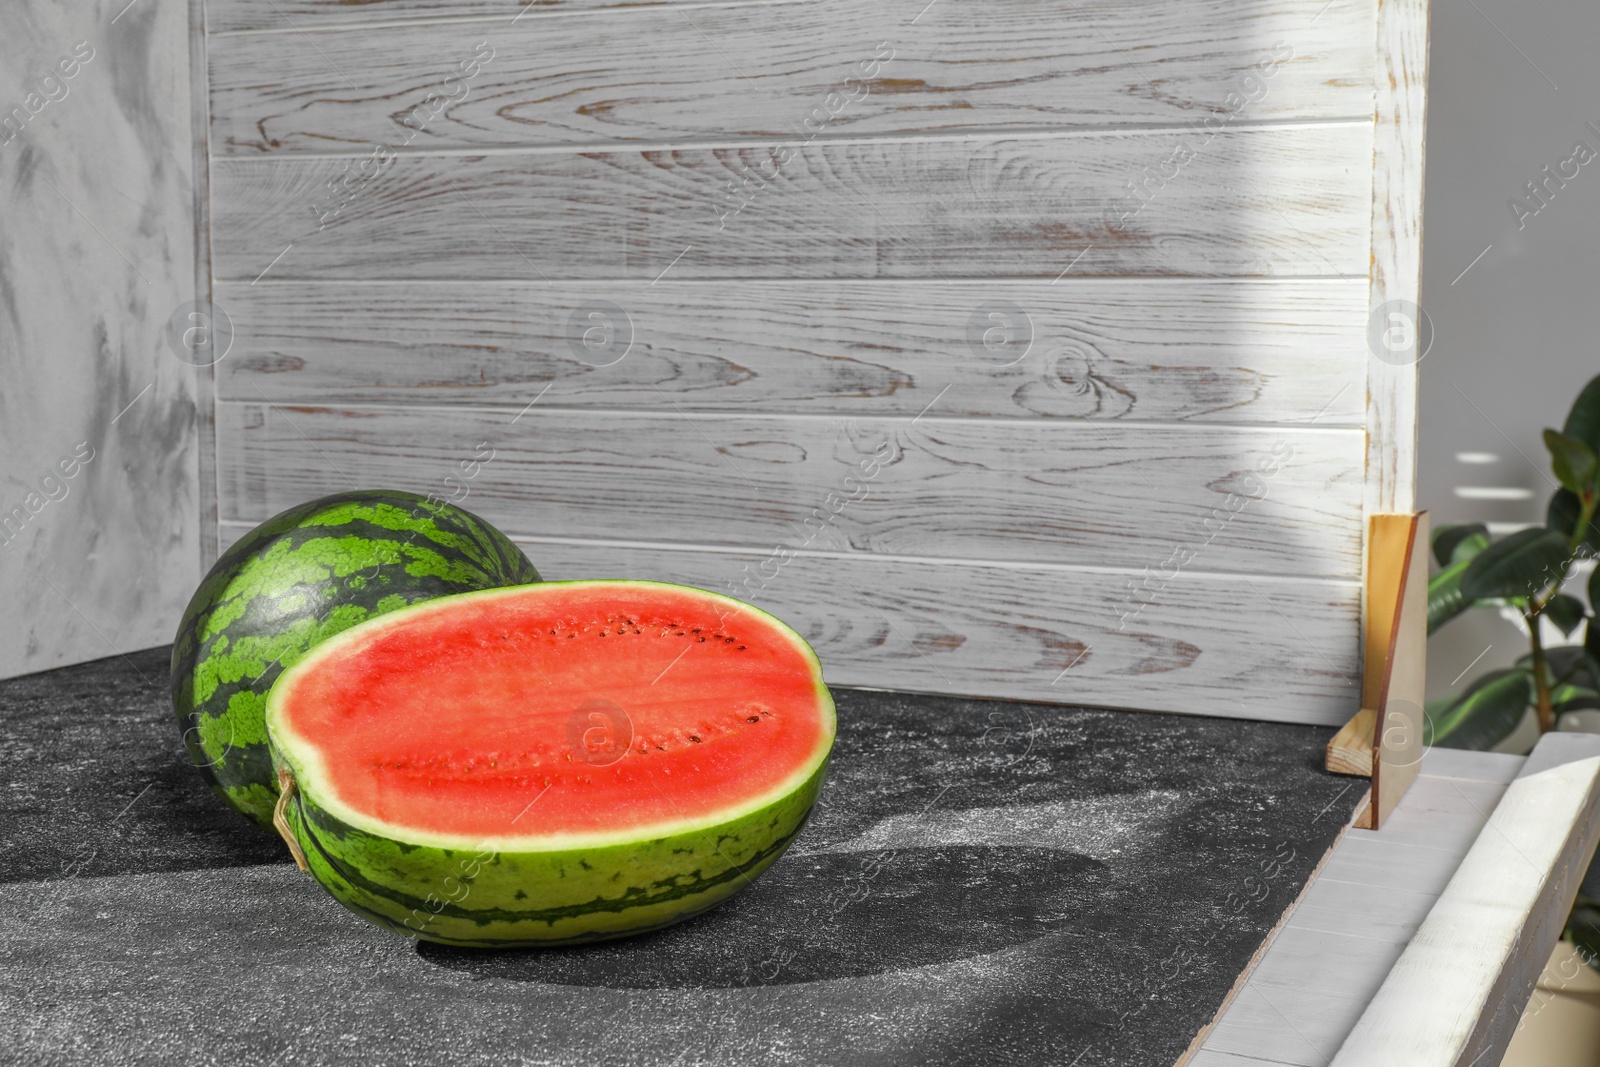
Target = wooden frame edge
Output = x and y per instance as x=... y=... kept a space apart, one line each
x=1454 y=997
x=1385 y=739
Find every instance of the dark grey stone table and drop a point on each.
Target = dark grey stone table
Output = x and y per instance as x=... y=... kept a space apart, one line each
x=982 y=883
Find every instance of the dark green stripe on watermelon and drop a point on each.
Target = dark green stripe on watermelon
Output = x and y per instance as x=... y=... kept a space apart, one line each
x=509 y=899
x=296 y=580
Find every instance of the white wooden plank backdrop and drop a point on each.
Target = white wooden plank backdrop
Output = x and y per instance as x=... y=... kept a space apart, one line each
x=1160 y=212
x=1269 y=200
x=1025 y=631
x=566 y=81
x=1250 y=353
x=294 y=16
x=949 y=488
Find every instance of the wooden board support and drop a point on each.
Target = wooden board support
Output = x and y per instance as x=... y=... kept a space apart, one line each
x=1454 y=996
x=1390 y=723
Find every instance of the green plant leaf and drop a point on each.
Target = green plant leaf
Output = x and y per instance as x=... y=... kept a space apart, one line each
x=1583 y=421
x=1573 y=461
x=1456 y=544
x=1485 y=714
x=1564 y=662
x=1583 y=933
x=1563 y=514
x=1445 y=601
x=1567 y=612
x=1516 y=566
x=1594 y=589
x=1563 y=695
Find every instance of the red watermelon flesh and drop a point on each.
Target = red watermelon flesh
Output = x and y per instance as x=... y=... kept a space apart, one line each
x=553 y=714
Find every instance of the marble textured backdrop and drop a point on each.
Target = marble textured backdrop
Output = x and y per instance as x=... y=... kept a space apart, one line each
x=98 y=459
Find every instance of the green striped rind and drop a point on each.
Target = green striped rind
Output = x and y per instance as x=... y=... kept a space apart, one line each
x=501 y=899
x=296 y=580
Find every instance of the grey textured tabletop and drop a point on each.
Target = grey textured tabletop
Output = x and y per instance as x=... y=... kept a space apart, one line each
x=981 y=883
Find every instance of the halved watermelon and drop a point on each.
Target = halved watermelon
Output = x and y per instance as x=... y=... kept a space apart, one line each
x=552 y=763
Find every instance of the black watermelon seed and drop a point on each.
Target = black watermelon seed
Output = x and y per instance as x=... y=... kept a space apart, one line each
x=752 y=719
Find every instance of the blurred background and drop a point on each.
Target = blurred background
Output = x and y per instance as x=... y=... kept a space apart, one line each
x=1513 y=87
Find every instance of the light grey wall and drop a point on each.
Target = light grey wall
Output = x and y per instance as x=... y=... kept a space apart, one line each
x=97 y=417
x=1513 y=87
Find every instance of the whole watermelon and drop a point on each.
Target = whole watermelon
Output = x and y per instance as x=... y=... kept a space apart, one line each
x=296 y=580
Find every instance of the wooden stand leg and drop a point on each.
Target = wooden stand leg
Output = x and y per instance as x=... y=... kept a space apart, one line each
x=1385 y=739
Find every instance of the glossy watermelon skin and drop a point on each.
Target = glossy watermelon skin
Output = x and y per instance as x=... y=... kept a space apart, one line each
x=302 y=576
x=484 y=898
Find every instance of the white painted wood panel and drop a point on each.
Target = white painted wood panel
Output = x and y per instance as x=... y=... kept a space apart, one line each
x=1171 y=250
x=1454 y=997
x=300 y=16
x=1396 y=275
x=1335 y=947
x=1273 y=200
x=213 y=346
x=1176 y=500
x=1208 y=1058
x=1292 y=1028
x=99 y=508
x=1026 y=632
x=750 y=71
x=1305 y=959
x=1146 y=350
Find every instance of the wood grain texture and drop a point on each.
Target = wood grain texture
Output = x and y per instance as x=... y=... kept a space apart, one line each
x=1455 y=995
x=1350 y=750
x=1026 y=633
x=298 y=16
x=1231 y=352
x=99 y=548
x=755 y=72
x=205 y=376
x=1192 y=293
x=1386 y=738
x=1274 y=200
x=1401 y=726
x=1400 y=117
x=959 y=489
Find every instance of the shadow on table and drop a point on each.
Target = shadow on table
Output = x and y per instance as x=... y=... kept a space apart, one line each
x=827 y=915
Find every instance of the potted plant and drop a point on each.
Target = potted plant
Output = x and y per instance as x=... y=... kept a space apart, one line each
x=1527 y=572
